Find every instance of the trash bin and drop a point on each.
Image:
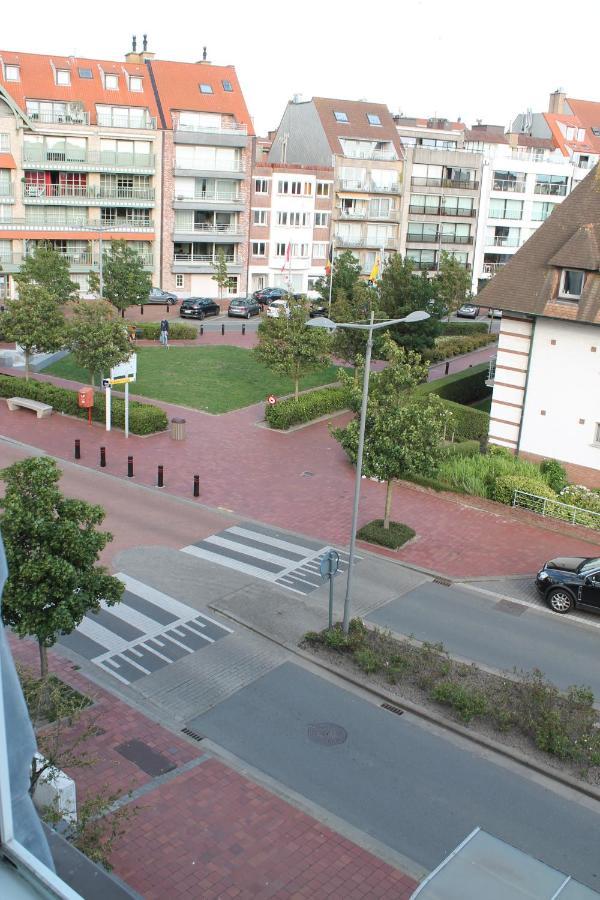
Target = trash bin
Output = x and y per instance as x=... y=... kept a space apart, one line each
x=178 y=429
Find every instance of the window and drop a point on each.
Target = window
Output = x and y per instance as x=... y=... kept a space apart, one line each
x=12 y=73
x=85 y=73
x=280 y=250
x=289 y=187
x=541 y=211
x=323 y=188
x=373 y=119
x=123 y=116
x=321 y=219
x=232 y=285
x=571 y=284
x=259 y=217
x=111 y=82
x=319 y=251
x=308 y=189
x=4 y=143
x=340 y=117
x=506 y=209
x=258 y=248
x=136 y=83
x=551 y=184
x=597 y=434
x=282 y=218
x=227 y=86
x=179 y=281
x=300 y=250
x=261 y=186
x=380 y=207
x=63 y=77
x=205 y=88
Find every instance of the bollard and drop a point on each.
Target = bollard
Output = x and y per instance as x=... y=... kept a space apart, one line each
x=243 y=328
x=102 y=457
x=447 y=368
x=77 y=448
x=160 y=482
x=196 y=485
x=222 y=327
x=201 y=330
x=142 y=309
x=130 y=466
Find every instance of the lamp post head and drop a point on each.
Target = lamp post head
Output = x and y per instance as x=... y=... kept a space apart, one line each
x=419 y=315
x=322 y=322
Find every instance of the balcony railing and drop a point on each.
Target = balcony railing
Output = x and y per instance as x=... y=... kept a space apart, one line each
x=428 y=266
x=75 y=258
x=514 y=214
x=202 y=260
x=68 y=191
x=556 y=190
x=417 y=181
x=368 y=187
x=492 y=268
x=39 y=222
x=123 y=120
x=514 y=187
x=200 y=166
x=382 y=155
x=74 y=156
x=74 y=117
x=224 y=128
x=377 y=242
x=412 y=238
x=210 y=197
x=440 y=211
x=190 y=227
x=499 y=241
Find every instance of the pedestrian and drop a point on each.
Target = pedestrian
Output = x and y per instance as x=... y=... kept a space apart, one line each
x=164 y=333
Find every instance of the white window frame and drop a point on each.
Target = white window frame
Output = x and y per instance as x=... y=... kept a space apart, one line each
x=282 y=217
x=108 y=81
x=205 y=88
x=12 y=72
x=4 y=142
x=256 y=248
x=323 y=189
x=319 y=250
x=260 y=217
x=63 y=73
x=321 y=219
x=596 y=441
x=280 y=248
x=341 y=117
x=307 y=189
x=261 y=185
x=561 y=290
x=136 y=79
x=232 y=284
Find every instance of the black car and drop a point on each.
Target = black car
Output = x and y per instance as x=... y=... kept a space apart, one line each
x=198 y=308
x=157 y=295
x=570 y=582
x=317 y=309
x=267 y=295
x=244 y=307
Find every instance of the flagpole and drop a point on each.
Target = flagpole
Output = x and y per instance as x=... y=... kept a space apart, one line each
x=330 y=276
x=290 y=267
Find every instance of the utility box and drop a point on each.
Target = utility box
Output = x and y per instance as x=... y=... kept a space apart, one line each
x=85 y=397
x=57 y=790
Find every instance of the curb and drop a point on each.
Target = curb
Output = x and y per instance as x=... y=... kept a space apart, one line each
x=431 y=717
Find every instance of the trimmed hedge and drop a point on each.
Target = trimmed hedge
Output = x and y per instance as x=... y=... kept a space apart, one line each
x=453 y=329
x=143 y=417
x=178 y=331
x=462 y=448
x=307 y=407
x=503 y=488
x=466 y=386
x=456 y=346
x=392 y=537
x=467 y=424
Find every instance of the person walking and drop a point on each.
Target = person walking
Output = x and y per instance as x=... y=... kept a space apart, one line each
x=164 y=333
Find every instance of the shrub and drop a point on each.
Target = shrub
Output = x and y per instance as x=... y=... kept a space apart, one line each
x=178 y=331
x=367 y=660
x=467 y=702
x=307 y=407
x=453 y=329
x=436 y=484
x=467 y=424
x=461 y=387
x=554 y=474
x=392 y=537
x=143 y=417
x=462 y=448
x=447 y=347
x=479 y=474
x=578 y=495
x=502 y=488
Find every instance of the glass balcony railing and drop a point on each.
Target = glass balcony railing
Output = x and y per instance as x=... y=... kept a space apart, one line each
x=86 y=192
x=556 y=190
x=34 y=155
x=57 y=117
x=210 y=197
x=509 y=186
x=224 y=128
x=454 y=183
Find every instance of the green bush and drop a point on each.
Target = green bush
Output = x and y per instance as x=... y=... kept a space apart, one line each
x=479 y=474
x=307 y=407
x=462 y=448
x=392 y=537
x=554 y=474
x=466 y=386
x=502 y=489
x=178 y=331
x=467 y=424
x=143 y=417
x=367 y=660
x=436 y=484
x=447 y=347
x=454 y=329
x=467 y=702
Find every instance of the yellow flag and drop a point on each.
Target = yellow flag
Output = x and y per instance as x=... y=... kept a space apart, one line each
x=374 y=270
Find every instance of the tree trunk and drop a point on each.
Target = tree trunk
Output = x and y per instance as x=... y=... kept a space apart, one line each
x=123 y=313
x=27 y=360
x=388 y=504
x=43 y=660
x=296 y=386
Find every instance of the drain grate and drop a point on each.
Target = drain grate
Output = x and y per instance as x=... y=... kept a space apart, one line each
x=392 y=708
x=307 y=474
x=443 y=581
x=327 y=733
x=192 y=734
x=145 y=758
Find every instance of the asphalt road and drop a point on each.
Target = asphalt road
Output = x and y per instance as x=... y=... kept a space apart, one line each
x=498 y=634
x=411 y=788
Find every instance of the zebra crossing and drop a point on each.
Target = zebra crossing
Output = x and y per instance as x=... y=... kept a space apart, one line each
x=145 y=632
x=266 y=553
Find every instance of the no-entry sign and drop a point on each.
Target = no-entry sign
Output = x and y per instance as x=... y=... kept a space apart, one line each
x=271 y=399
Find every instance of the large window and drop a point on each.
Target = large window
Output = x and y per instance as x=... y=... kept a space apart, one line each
x=125 y=152
x=506 y=209
x=261 y=186
x=259 y=216
x=319 y=251
x=502 y=236
x=571 y=284
x=551 y=184
x=423 y=259
x=380 y=208
x=225 y=159
x=541 y=211
x=123 y=116
x=513 y=182
x=321 y=219
x=323 y=188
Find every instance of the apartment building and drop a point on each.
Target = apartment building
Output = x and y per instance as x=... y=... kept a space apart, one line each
x=153 y=152
x=357 y=142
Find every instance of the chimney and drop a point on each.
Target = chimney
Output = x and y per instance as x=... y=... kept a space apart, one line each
x=134 y=56
x=557 y=102
x=513 y=139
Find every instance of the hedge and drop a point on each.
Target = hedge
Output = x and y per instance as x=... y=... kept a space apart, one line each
x=143 y=417
x=467 y=424
x=455 y=346
x=307 y=407
x=504 y=487
x=462 y=448
x=453 y=329
x=467 y=386
x=392 y=537
x=178 y=331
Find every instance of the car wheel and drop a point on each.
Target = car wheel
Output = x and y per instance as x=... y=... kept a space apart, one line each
x=248 y=315
x=201 y=315
x=560 y=601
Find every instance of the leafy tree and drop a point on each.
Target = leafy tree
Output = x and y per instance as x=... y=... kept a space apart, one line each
x=452 y=283
x=401 y=291
x=48 y=269
x=52 y=547
x=34 y=321
x=345 y=272
x=348 y=344
x=221 y=275
x=96 y=338
x=289 y=347
x=403 y=430
x=125 y=283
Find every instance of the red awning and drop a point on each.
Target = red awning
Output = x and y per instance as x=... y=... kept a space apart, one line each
x=7 y=162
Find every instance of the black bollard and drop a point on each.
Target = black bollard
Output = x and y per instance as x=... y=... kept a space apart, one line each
x=102 y=457
x=130 y=466
x=160 y=482
x=222 y=327
x=201 y=330
x=77 y=448
x=447 y=368
x=196 y=485
x=243 y=328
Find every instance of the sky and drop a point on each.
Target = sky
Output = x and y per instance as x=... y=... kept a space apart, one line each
x=466 y=58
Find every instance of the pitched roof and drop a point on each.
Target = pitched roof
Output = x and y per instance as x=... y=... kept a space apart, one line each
x=570 y=237
x=178 y=86
x=38 y=81
x=358 y=126
x=487 y=137
x=568 y=145
x=588 y=113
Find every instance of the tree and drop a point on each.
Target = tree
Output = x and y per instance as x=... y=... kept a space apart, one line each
x=221 y=275
x=289 y=347
x=403 y=430
x=125 y=283
x=52 y=546
x=401 y=291
x=96 y=338
x=48 y=269
x=346 y=273
x=453 y=283
x=349 y=344
x=34 y=321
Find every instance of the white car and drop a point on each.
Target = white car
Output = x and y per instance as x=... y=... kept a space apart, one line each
x=278 y=308
x=494 y=313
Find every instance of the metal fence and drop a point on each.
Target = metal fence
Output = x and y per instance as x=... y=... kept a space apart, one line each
x=554 y=509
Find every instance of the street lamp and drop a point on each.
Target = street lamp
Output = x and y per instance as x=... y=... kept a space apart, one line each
x=100 y=230
x=322 y=322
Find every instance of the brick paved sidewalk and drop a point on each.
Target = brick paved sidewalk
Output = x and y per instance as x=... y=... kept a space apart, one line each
x=204 y=831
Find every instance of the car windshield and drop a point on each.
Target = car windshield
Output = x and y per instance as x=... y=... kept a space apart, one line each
x=589 y=565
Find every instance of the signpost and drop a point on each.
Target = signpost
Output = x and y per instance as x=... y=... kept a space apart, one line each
x=124 y=373
x=329 y=565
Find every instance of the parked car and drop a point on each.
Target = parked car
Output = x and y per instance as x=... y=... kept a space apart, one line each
x=157 y=295
x=467 y=311
x=278 y=308
x=570 y=582
x=494 y=313
x=267 y=295
x=317 y=309
x=198 y=308
x=244 y=307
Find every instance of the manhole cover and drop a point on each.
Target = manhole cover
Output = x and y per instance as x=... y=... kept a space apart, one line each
x=327 y=734
x=307 y=474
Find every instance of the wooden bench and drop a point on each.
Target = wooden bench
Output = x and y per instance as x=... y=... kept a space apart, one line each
x=40 y=409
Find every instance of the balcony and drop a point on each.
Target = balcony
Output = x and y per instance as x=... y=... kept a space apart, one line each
x=500 y=241
x=363 y=214
x=7 y=193
x=78 y=260
x=506 y=185
x=66 y=194
x=380 y=155
x=76 y=160
x=224 y=201
x=192 y=262
x=492 y=268
x=42 y=223
x=439 y=239
x=363 y=241
x=72 y=117
x=184 y=233
x=110 y=119
x=10 y=262
x=369 y=187
x=444 y=183
x=226 y=134
x=237 y=170
x=429 y=266
x=423 y=210
x=556 y=190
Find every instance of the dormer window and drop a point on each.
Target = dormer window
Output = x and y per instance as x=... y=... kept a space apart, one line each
x=63 y=77
x=12 y=73
x=340 y=116
x=571 y=284
x=136 y=84
x=111 y=82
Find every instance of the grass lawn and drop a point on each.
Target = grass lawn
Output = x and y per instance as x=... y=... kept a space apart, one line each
x=485 y=404
x=216 y=379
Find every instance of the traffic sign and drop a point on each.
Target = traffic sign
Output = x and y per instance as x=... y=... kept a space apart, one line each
x=271 y=399
x=329 y=563
x=124 y=380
